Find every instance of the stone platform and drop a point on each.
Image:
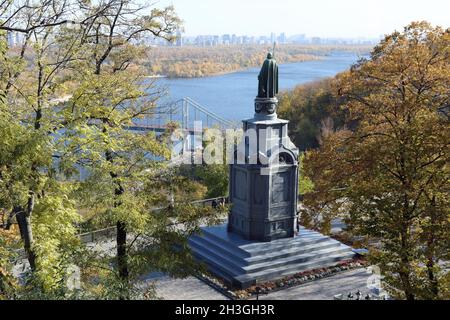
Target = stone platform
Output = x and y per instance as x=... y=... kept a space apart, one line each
x=242 y=263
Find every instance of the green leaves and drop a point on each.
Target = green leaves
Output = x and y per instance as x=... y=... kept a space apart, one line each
x=67 y=157
x=54 y=225
x=309 y=107
x=305 y=184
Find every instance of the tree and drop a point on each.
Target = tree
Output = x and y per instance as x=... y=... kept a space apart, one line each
x=76 y=84
x=127 y=176
x=111 y=94
x=215 y=177
x=391 y=173
x=6 y=280
x=306 y=107
x=214 y=170
x=8 y=284
x=305 y=184
x=31 y=79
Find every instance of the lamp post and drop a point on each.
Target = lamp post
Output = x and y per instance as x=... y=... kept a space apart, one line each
x=258 y=290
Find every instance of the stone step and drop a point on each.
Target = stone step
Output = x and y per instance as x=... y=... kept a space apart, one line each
x=220 y=246
x=297 y=242
x=291 y=251
x=319 y=263
x=237 y=260
x=304 y=236
x=295 y=259
x=224 y=277
x=242 y=262
x=243 y=280
x=220 y=257
x=246 y=280
x=250 y=248
x=231 y=242
x=213 y=263
x=236 y=266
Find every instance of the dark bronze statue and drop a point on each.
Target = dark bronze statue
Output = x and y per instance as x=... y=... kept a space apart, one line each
x=268 y=78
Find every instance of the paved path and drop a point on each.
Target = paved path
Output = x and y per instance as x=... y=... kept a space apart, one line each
x=325 y=289
x=189 y=288
x=192 y=288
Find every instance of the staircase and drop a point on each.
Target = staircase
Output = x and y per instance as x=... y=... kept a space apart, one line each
x=241 y=263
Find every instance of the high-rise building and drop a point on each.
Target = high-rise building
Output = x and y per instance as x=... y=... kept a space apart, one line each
x=234 y=39
x=282 y=38
x=19 y=38
x=316 y=40
x=179 y=39
x=226 y=39
x=298 y=38
x=216 y=40
x=10 y=39
x=263 y=40
x=273 y=37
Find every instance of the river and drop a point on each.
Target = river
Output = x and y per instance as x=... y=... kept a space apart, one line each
x=231 y=95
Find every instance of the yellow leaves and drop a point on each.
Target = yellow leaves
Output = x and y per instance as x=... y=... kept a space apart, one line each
x=403 y=76
x=54 y=226
x=390 y=169
x=131 y=211
x=8 y=242
x=55 y=217
x=105 y=97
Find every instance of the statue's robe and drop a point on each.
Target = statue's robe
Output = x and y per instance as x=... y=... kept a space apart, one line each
x=268 y=79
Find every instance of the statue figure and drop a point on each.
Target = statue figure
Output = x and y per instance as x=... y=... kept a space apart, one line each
x=268 y=78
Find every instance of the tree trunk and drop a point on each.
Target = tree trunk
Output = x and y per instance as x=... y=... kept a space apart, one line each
x=26 y=232
x=122 y=255
x=434 y=287
x=404 y=276
x=405 y=265
x=9 y=220
x=122 y=250
x=121 y=236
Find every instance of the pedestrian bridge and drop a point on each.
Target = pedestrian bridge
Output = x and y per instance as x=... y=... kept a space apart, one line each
x=190 y=117
x=186 y=113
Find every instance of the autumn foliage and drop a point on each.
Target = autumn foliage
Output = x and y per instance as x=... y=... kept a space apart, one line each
x=388 y=176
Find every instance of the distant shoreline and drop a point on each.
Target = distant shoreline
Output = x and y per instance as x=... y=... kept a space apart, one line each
x=221 y=73
x=156 y=76
x=202 y=62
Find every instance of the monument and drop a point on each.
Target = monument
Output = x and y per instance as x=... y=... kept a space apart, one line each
x=259 y=243
x=263 y=187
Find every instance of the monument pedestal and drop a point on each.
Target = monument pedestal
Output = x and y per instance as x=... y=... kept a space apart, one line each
x=242 y=263
x=263 y=182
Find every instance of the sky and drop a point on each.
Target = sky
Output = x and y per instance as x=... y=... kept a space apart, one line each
x=322 y=18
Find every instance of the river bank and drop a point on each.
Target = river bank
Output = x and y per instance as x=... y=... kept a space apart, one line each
x=231 y=95
x=201 y=69
x=241 y=69
x=199 y=62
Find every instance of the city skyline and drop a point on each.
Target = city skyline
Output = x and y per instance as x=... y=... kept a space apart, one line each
x=206 y=40
x=321 y=18
x=211 y=40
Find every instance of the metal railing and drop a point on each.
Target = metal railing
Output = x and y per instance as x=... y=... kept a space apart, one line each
x=109 y=232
